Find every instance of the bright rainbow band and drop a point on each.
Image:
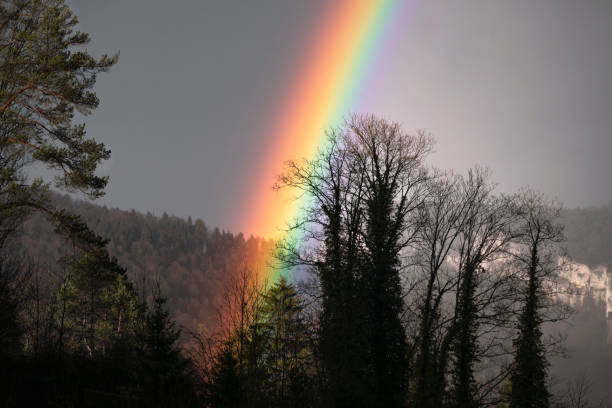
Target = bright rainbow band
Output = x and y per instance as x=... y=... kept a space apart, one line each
x=323 y=94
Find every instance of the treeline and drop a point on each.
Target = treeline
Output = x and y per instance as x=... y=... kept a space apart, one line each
x=191 y=262
x=589 y=234
x=428 y=289
x=128 y=230
x=87 y=338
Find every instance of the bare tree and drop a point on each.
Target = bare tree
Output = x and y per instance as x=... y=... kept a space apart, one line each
x=365 y=187
x=439 y=217
x=485 y=235
x=465 y=299
x=577 y=393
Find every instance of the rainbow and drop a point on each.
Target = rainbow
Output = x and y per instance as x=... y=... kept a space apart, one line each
x=323 y=93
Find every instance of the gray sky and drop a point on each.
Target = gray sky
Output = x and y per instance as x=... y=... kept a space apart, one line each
x=523 y=87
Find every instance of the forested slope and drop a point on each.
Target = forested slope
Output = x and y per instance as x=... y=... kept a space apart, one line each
x=589 y=234
x=191 y=260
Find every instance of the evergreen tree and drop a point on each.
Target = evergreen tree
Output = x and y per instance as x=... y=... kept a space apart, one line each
x=539 y=258
x=465 y=343
x=163 y=367
x=43 y=80
x=97 y=303
x=286 y=352
x=226 y=391
x=530 y=364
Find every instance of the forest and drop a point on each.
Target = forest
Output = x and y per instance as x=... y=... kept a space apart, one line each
x=412 y=286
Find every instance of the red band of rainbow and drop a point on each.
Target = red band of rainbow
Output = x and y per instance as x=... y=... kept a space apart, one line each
x=322 y=95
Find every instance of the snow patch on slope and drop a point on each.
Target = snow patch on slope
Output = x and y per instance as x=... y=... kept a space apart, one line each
x=582 y=280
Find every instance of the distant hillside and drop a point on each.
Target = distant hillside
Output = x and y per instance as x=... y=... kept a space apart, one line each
x=191 y=260
x=589 y=241
x=589 y=235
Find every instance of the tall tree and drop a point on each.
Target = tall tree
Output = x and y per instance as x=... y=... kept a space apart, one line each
x=465 y=231
x=394 y=179
x=486 y=233
x=287 y=351
x=440 y=217
x=164 y=369
x=44 y=80
x=46 y=77
x=366 y=186
x=538 y=259
x=336 y=189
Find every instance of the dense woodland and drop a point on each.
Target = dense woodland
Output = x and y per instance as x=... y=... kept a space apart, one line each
x=208 y=259
x=588 y=233
x=191 y=261
x=422 y=287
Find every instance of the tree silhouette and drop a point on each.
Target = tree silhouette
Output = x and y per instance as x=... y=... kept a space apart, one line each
x=366 y=185
x=164 y=369
x=538 y=258
x=287 y=353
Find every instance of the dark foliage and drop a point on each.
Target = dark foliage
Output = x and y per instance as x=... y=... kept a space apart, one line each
x=539 y=235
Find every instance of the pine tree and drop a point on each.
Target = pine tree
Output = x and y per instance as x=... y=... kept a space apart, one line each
x=98 y=304
x=287 y=346
x=163 y=368
x=44 y=79
x=226 y=390
x=530 y=364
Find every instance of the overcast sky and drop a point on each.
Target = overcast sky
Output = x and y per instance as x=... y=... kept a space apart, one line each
x=524 y=87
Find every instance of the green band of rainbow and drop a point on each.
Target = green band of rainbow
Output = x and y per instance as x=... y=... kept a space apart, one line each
x=324 y=92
